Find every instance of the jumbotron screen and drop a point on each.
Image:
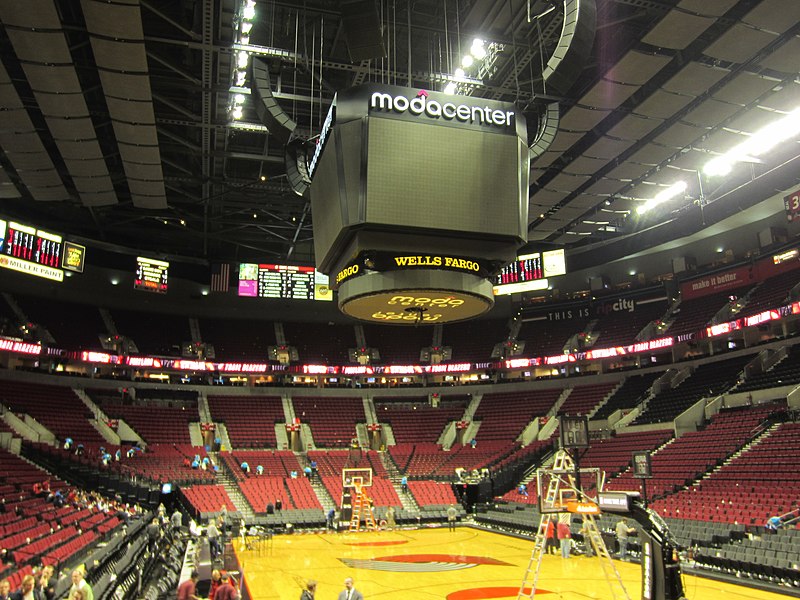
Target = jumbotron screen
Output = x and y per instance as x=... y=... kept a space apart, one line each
x=30 y=250
x=151 y=275
x=530 y=272
x=283 y=281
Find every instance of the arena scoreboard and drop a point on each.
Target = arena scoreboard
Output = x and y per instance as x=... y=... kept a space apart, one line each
x=29 y=250
x=151 y=275
x=283 y=281
x=417 y=173
x=530 y=272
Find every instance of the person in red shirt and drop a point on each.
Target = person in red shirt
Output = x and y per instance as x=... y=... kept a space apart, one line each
x=186 y=589
x=216 y=581
x=564 y=537
x=226 y=591
x=550 y=538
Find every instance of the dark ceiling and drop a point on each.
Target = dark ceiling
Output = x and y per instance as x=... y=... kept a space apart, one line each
x=115 y=121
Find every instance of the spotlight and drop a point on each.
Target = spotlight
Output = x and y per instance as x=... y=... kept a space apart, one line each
x=241 y=59
x=249 y=10
x=450 y=88
x=478 y=49
x=467 y=61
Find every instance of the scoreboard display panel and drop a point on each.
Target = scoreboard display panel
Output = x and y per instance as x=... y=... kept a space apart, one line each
x=30 y=250
x=530 y=272
x=283 y=281
x=151 y=275
x=525 y=268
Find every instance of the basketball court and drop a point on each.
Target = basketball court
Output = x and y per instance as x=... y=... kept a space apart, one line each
x=469 y=564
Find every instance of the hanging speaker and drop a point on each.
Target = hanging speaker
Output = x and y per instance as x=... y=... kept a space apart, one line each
x=279 y=124
x=548 y=127
x=362 y=30
x=574 y=46
x=295 y=158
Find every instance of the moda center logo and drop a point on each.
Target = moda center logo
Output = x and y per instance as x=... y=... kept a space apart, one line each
x=449 y=111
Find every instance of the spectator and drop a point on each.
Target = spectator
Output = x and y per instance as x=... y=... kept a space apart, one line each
x=213 y=539
x=390 y=522
x=225 y=591
x=5 y=589
x=223 y=518
x=550 y=537
x=44 y=584
x=404 y=483
x=564 y=537
x=245 y=467
x=278 y=504
x=349 y=592
x=331 y=519
x=623 y=531
x=153 y=535
x=27 y=590
x=176 y=520
x=216 y=581
x=311 y=589
x=523 y=490
x=587 y=541
x=80 y=584
x=773 y=524
x=259 y=470
x=307 y=471
x=451 y=517
x=187 y=588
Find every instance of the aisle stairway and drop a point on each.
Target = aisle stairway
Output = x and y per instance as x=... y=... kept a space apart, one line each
x=225 y=480
x=406 y=498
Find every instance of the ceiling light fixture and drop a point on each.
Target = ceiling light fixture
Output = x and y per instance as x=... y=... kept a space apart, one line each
x=674 y=190
x=757 y=144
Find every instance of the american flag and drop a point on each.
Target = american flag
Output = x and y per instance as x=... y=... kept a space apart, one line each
x=220 y=277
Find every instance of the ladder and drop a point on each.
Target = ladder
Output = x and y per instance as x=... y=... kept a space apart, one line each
x=562 y=478
x=606 y=563
x=361 y=508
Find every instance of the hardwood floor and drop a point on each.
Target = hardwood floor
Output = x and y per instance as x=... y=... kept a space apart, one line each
x=468 y=564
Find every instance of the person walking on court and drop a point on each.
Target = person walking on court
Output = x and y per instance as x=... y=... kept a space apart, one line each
x=623 y=531
x=564 y=537
x=451 y=517
x=349 y=592
x=311 y=589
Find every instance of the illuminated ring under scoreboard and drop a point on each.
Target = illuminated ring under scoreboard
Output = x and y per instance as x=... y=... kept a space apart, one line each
x=419 y=297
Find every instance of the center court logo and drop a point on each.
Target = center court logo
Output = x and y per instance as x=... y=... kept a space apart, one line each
x=421 y=563
x=420 y=105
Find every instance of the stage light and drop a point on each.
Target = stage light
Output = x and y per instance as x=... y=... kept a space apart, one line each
x=239 y=98
x=478 y=49
x=246 y=27
x=241 y=59
x=237 y=112
x=249 y=10
x=240 y=77
x=467 y=61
